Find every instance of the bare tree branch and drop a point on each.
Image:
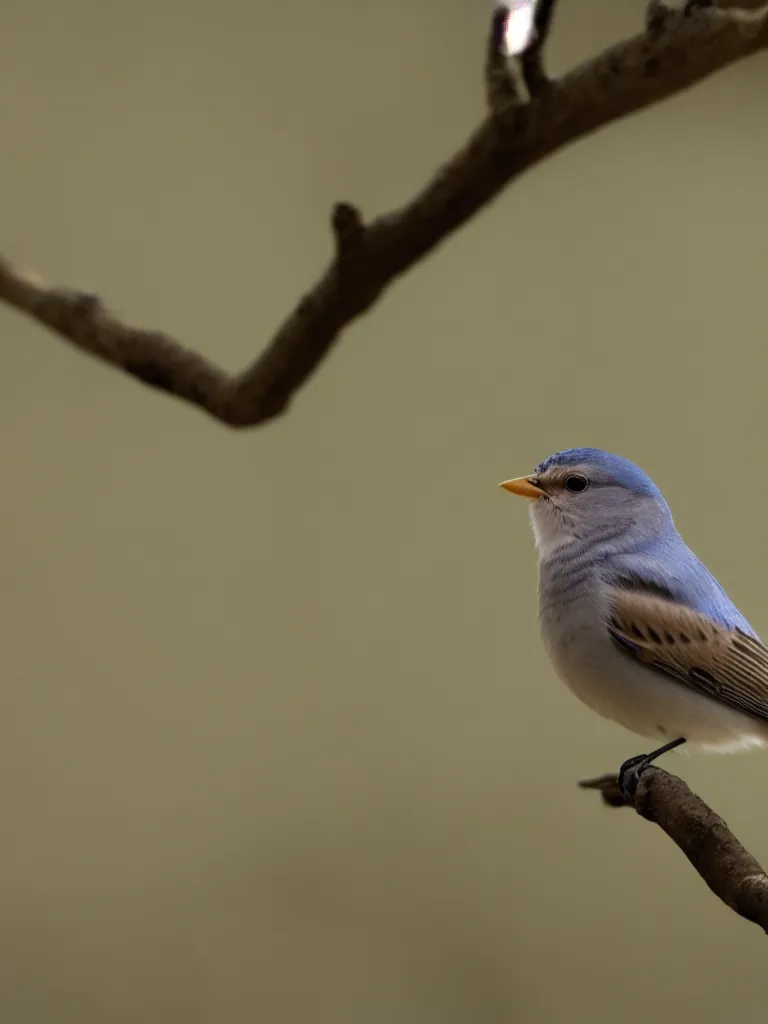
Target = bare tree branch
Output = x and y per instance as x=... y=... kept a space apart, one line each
x=680 y=48
x=730 y=871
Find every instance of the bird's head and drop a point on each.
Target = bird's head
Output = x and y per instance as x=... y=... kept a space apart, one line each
x=584 y=494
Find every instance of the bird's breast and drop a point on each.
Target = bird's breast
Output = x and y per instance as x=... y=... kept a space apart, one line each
x=572 y=619
x=573 y=630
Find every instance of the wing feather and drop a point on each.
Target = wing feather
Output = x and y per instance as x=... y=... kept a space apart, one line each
x=725 y=664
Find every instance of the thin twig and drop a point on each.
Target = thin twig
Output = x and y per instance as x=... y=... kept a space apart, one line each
x=532 y=59
x=730 y=871
x=634 y=74
x=501 y=87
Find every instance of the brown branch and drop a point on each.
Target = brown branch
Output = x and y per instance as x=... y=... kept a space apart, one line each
x=501 y=87
x=532 y=59
x=730 y=871
x=680 y=50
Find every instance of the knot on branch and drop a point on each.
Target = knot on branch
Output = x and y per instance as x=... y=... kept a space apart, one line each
x=68 y=310
x=660 y=15
x=657 y=17
x=348 y=229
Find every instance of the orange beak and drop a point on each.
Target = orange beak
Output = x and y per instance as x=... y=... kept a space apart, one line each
x=523 y=486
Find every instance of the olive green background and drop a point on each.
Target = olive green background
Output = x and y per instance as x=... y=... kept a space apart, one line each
x=278 y=740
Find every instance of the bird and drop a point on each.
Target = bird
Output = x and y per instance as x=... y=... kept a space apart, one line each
x=634 y=624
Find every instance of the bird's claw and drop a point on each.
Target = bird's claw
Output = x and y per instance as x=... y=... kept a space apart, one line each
x=629 y=775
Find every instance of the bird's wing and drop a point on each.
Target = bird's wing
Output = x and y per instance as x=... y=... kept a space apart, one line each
x=725 y=664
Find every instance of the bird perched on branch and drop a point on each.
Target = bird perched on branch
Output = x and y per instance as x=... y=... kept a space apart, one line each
x=634 y=624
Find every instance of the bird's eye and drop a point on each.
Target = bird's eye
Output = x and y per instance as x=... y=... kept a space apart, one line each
x=576 y=483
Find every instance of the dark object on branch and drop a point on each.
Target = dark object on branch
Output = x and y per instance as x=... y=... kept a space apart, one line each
x=532 y=58
x=730 y=871
x=680 y=47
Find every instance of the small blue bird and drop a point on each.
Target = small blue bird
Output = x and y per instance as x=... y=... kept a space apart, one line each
x=632 y=621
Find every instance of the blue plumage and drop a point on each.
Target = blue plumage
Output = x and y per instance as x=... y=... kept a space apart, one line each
x=634 y=623
x=668 y=562
x=665 y=559
x=620 y=471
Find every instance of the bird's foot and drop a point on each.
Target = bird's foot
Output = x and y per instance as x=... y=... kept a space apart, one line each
x=629 y=775
x=630 y=772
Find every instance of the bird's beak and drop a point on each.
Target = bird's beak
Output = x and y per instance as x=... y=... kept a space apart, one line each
x=524 y=486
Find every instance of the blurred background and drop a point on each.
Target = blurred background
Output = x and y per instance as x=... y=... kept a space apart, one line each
x=278 y=738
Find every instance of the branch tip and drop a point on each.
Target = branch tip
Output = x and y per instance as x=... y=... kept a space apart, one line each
x=348 y=227
x=608 y=787
x=545 y=11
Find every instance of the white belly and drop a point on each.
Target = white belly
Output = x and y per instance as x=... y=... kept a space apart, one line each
x=642 y=699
